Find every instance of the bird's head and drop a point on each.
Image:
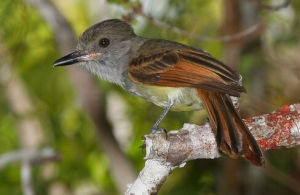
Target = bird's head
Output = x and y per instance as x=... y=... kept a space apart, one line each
x=104 y=49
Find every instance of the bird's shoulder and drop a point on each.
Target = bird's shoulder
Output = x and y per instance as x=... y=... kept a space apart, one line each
x=162 y=54
x=160 y=46
x=159 y=51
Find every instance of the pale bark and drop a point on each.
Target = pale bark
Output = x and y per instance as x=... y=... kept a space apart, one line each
x=278 y=129
x=32 y=156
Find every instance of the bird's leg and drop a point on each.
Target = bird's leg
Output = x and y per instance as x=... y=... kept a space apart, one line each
x=155 y=128
x=207 y=120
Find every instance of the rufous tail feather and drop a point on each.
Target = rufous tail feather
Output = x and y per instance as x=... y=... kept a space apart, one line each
x=232 y=134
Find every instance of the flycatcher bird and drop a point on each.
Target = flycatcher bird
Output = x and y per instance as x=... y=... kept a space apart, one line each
x=171 y=75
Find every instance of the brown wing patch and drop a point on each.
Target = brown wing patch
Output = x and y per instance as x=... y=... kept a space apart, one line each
x=185 y=68
x=156 y=63
x=210 y=63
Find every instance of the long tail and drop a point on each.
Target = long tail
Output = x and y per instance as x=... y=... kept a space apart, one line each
x=233 y=136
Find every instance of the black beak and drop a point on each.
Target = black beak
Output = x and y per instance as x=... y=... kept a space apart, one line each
x=77 y=56
x=69 y=59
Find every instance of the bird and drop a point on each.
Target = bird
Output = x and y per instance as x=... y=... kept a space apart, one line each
x=171 y=75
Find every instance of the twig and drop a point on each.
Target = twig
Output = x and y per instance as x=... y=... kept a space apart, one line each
x=270 y=7
x=242 y=35
x=31 y=156
x=28 y=157
x=26 y=178
x=279 y=129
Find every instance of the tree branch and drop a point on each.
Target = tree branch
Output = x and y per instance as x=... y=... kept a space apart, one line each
x=270 y=7
x=26 y=178
x=243 y=35
x=278 y=129
x=28 y=155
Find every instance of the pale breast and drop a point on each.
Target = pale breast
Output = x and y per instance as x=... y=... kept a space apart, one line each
x=185 y=99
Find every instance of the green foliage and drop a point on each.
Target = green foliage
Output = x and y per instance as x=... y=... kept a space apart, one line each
x=69 y=130
x=66 y=127
x=119 y=1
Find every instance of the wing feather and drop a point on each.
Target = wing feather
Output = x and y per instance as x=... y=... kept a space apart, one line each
x=185 y=67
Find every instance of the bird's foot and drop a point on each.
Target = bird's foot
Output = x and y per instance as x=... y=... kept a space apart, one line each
x=157 y=130
x=207 y=121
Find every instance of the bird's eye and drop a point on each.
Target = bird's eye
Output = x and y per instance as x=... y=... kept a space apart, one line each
x=104 y=42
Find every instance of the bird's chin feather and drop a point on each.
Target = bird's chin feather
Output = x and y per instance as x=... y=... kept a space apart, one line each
x=104 y=71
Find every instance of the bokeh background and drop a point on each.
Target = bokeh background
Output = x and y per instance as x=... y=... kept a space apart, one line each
x=76 y=134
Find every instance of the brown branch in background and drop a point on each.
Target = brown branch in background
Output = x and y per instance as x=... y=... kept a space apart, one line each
x=282 y=178
x=29 y=127
x=253 y=30
x=279 y=129
x=89 y=94
x=232 y=21
x=270 y=7
x=243 y=35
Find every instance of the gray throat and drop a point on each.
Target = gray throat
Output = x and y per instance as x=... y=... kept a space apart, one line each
x=115 y=69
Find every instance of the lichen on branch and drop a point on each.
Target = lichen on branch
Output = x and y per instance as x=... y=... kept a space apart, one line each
x=278 y=129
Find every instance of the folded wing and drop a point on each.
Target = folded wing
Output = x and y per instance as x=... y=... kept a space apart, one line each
x=185 y=68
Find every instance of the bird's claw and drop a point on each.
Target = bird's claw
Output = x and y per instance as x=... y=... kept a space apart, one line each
x=156 y=130
x=207 y=121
